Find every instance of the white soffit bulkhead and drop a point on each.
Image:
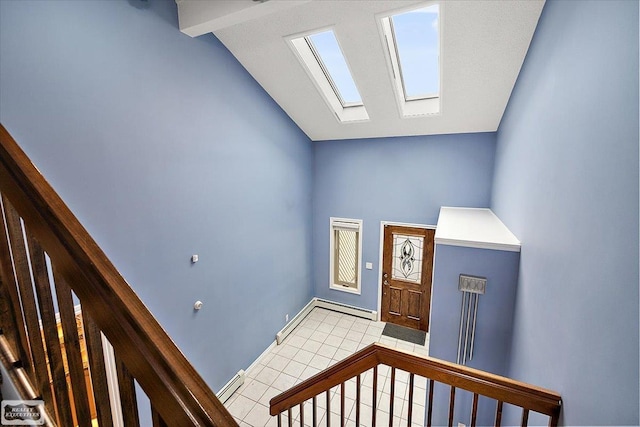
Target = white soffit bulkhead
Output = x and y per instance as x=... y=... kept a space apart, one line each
x=483 y=45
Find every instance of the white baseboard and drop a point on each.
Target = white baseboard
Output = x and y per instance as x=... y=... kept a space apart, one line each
x=238 y=379
x=227 y=391
x=330 y=305
x=347 y=309
x=289 y=327
x=257 y=361
x=229 y=388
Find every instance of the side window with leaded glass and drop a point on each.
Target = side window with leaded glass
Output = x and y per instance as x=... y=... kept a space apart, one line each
x=345 y=254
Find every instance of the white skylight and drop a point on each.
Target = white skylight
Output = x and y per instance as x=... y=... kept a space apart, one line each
x=413 y=42
x=416 y=39
x=325 y=46
x=326 y=65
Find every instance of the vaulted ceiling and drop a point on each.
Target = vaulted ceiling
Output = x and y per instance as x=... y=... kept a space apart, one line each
x=483 y=46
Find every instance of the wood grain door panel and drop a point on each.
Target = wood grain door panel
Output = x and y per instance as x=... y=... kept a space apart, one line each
x=414 y=305
x=406 y=279
x=395 y=298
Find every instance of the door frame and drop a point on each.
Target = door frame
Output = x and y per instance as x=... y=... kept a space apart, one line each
x=381 y=254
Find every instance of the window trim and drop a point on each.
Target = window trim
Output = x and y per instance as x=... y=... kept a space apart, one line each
x=342 y=223
x=323 y=66
x=343 y=112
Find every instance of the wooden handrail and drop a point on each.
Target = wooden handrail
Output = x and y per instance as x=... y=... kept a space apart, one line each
x=497 y=387
x=502 y=389
x=176 y=390
x=348 y=368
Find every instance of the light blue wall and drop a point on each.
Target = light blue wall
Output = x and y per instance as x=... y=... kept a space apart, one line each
x=164 y=147
x=494 y=321
x=392 y=179
x=495 y=307
x=566 y=184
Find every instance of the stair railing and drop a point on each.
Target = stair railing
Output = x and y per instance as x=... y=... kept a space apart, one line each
x=344 y=381
x=46 y=254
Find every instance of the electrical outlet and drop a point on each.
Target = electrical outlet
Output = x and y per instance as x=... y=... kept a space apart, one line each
x=286 y=318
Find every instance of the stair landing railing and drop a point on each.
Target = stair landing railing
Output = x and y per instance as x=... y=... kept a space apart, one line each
x=58 y=356
x=352 y=388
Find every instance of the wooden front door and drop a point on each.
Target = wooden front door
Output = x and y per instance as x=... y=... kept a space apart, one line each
x=407 y=266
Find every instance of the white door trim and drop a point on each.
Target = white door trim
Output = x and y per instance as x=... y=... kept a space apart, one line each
x=381 y=252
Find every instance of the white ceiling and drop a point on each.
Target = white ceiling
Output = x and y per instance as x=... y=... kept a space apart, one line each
x=483 y=45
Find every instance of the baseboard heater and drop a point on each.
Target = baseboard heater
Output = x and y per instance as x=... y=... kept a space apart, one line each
x=329 y=305
x=347 y=309
x=229 y=388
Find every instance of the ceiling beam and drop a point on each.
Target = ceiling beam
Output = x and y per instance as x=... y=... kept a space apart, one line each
x=197 y=17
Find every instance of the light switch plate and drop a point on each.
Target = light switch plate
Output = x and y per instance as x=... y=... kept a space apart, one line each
x=368 y=266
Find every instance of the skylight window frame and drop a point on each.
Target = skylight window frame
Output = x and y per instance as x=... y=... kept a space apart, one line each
x=410 y=106
x=327 y=74
x=302 y=47
x=399 y=62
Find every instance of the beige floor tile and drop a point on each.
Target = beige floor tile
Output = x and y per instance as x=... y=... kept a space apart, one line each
x=258 y=417
x=294 y=368
x=283 y=382
x=320 y=340
x=241 y=406
x=303 y=356
x=318 y=336
x=319 y=362
x=254 y=390
x=327 y=351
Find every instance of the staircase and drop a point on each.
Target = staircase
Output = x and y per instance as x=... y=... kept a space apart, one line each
x=44 y=250
x=64 y=306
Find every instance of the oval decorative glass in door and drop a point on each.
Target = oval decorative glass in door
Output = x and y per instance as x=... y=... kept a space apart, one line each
x=407 y=258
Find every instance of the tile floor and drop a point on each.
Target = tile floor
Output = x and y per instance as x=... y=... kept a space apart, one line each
x=322 y=339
